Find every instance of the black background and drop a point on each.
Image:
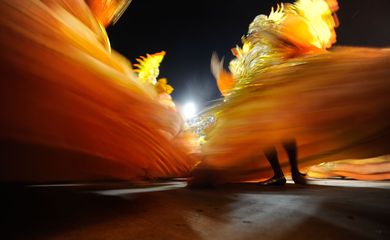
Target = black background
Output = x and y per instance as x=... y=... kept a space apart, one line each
x=189 y=31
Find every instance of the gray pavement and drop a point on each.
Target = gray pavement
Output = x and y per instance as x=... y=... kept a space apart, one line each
x=327 y=209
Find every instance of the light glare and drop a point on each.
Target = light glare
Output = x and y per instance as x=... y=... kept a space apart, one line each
x=188 y=110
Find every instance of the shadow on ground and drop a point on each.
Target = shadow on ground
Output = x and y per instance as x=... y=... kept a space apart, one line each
x=171 y=211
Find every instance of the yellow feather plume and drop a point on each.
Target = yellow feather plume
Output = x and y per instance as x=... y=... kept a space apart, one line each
x=148 y=67
x=148 y=71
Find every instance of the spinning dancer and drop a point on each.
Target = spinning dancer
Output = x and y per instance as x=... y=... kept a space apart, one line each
x=287 y=95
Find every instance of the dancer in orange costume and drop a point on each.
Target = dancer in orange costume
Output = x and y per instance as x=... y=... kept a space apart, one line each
x=71 y=108
x=286 y=91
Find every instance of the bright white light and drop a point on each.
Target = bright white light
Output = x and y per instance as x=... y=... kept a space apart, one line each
x=188 y=110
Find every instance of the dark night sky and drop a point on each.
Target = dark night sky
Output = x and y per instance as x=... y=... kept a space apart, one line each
x=191 y=30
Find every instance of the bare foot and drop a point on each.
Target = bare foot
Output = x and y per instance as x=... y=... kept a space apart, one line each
x=274 y=181
x=299 y=178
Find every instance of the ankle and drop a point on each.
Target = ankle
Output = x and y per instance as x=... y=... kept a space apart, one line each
x=278 y=175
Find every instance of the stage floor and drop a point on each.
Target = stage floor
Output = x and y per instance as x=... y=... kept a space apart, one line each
x=325 y=209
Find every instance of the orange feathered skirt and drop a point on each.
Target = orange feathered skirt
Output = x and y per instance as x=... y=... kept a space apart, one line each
x=72 y=109
x=336 y=105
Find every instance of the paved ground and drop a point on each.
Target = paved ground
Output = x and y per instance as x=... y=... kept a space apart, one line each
x=167 y=210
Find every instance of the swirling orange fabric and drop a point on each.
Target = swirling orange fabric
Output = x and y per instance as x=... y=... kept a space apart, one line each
x=72 y=109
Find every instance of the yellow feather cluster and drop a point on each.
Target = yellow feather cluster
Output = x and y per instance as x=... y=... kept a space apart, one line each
x=162 y=86
x=148 y=71
x=277 y=15
x=148 y=67
x=318 y=14
x=307 y=26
